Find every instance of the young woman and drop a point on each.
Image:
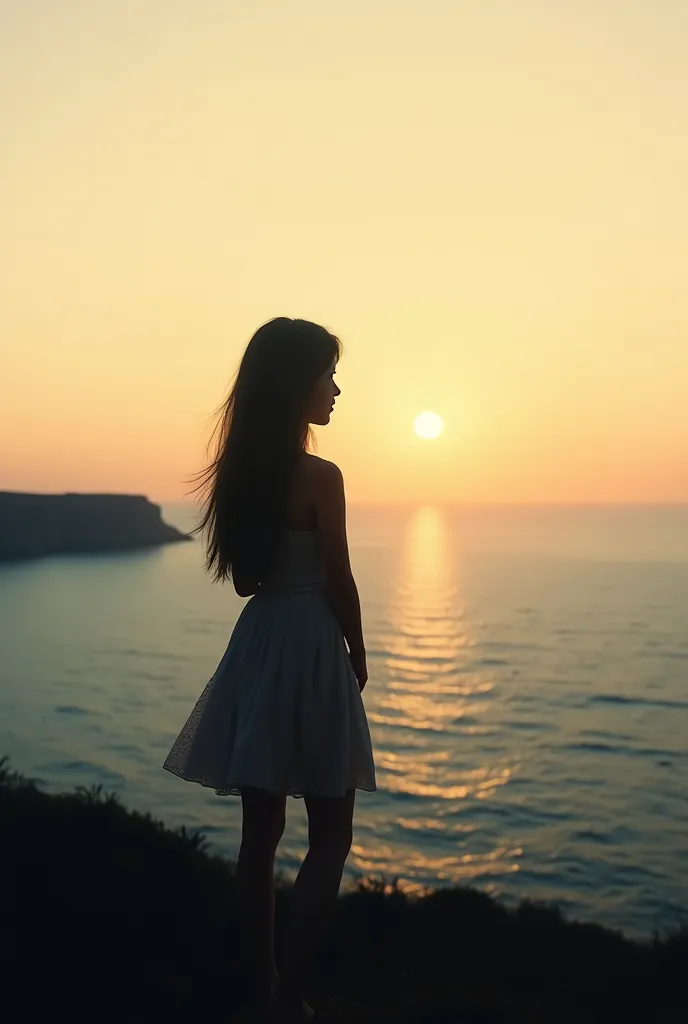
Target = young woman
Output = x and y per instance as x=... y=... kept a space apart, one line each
x=283 y=714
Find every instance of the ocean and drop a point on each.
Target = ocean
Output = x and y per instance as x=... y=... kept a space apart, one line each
x=528 y=697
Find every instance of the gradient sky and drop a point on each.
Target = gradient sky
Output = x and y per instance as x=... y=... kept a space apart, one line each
x=487 y=201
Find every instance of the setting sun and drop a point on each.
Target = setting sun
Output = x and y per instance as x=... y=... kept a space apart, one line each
x=428 y=425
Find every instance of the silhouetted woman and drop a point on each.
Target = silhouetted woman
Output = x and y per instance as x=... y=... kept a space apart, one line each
x=283 y=714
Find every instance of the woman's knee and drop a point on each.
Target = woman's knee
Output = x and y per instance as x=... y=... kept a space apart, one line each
x=277 y=826
x=335 y=844
x=330 y=827
x=343 y=841
x=264 y=834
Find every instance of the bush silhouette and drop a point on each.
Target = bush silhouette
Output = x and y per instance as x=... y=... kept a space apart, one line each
x=108 y=914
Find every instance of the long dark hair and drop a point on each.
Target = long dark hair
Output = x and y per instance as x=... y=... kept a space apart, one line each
x=259 y=434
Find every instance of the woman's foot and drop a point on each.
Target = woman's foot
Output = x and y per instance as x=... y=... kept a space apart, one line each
x=260 y=1008
x=291 y=1008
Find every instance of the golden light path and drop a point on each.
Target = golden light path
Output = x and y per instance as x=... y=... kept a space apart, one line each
x=427 y=722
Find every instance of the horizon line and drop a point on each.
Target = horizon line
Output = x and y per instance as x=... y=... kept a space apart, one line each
x=382 y=503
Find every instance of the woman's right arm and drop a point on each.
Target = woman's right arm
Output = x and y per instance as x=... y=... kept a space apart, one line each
x=341 y=590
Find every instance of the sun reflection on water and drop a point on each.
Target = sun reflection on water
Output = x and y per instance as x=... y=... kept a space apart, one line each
x=432 y=704
x=430 y=645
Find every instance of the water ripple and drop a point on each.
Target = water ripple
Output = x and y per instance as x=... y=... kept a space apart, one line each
x=615 y=698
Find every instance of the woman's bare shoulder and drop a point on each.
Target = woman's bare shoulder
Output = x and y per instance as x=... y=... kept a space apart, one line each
x=321 y=472
x=317 y=485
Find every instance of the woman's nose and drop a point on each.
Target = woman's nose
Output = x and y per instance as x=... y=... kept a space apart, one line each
x=337 y=390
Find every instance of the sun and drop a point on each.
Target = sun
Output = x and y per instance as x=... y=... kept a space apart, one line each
x=428 y=425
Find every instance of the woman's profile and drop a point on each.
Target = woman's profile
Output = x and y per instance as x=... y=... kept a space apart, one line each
x=283 y=714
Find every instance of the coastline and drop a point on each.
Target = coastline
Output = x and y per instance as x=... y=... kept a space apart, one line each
x=39 y=525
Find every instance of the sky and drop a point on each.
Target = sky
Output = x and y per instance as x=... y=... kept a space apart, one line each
x=486 y=201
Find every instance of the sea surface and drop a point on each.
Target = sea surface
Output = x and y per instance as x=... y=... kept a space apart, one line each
x=528 y=697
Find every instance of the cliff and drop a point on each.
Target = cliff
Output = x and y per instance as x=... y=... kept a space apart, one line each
x=33 y=525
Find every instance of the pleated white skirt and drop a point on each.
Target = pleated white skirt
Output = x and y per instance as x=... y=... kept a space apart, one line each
x=283 y=710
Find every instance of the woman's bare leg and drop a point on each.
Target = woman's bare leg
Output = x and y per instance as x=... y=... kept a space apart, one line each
x=330 y=825
x=262 y=828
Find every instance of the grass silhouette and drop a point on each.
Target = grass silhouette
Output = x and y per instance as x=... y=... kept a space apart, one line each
x=109 y=915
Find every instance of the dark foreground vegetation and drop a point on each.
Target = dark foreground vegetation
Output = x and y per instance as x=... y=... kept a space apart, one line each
x=108 y=915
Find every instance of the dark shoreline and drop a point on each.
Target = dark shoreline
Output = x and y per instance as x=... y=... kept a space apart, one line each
x=108 y=914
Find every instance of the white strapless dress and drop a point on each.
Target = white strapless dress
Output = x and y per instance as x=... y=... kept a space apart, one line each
x=283 y=710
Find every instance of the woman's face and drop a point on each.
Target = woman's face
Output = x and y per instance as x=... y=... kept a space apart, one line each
x=322 y=396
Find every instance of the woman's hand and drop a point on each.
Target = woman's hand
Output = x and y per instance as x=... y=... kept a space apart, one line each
x=358 y=663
